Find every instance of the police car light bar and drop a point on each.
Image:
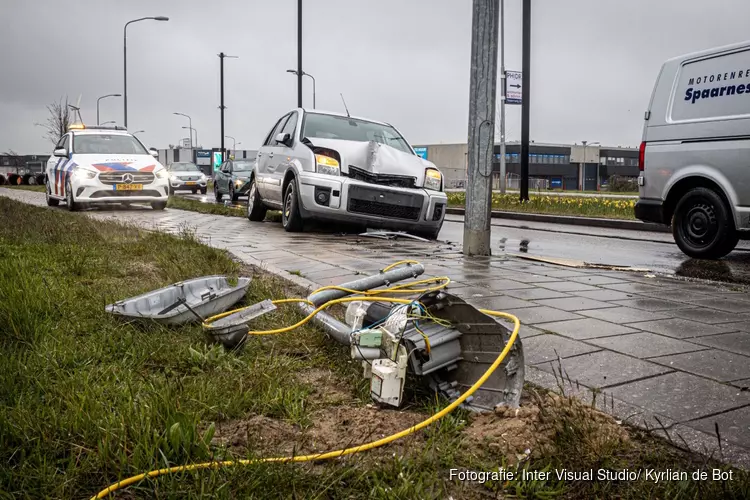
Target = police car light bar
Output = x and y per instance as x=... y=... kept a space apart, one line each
x=81 y=126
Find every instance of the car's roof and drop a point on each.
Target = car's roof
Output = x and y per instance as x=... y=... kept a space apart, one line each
x=342 y=115
x=99 y=131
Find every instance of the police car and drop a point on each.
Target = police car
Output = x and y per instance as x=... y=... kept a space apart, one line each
x=97 y=165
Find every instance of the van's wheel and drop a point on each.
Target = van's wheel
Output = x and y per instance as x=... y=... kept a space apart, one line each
x=3 y=180
x=256 y=211
x=291 y=219
x=158 y=205
x=73 y=205
x=51 y=202
x=702 y=225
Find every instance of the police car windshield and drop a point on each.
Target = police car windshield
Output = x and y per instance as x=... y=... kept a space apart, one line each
x=107 y=144
x=242 y=166
x=182 y=167
x=352 y=129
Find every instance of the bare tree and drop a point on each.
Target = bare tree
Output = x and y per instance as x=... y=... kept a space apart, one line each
x=58 y=121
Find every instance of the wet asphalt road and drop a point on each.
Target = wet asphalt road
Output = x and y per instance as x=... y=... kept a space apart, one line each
x=616 y=247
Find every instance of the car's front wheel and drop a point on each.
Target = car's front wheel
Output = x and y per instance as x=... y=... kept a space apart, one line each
x=256 y=211
x=51 y=202
x=702 y=225
x=291 y=219
x=204 y=190
x=217 y=193
x=70 y=201
x=158 y=205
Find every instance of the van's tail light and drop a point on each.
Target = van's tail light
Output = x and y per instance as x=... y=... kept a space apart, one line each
x=642 y=157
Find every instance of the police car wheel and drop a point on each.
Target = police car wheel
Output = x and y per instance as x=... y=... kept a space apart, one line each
x=70 y=201
x=51 y=202
x=702 y=225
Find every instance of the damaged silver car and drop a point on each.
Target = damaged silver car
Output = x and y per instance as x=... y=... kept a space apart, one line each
x=347 y=171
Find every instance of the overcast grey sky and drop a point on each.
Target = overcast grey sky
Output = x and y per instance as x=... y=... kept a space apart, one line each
x=403 y=61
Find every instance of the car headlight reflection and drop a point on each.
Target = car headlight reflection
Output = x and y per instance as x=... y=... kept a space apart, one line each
x=432 y=179
x=81 y=174
x=163 y=174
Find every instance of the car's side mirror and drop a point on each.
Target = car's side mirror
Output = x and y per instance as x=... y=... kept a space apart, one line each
x=60 y=152
x=153 y=152
x=284 y=139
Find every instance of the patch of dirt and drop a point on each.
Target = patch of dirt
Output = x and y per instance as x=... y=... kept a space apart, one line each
x=326 y=388
x=332 y=429
x=540 y=423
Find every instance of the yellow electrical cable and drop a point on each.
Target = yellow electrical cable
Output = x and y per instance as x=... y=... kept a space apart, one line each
x=337 y=453
x=396 y=264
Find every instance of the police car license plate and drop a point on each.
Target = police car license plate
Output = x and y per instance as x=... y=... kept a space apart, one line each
x=191 y=183
x=128 y=187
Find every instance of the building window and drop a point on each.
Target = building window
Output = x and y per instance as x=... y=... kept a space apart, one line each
x=621 y=161
x=603 y=160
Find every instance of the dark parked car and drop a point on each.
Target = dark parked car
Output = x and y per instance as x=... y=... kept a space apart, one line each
x=230 y=179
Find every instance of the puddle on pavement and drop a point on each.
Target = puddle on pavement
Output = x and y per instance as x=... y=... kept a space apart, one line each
x=734 y=268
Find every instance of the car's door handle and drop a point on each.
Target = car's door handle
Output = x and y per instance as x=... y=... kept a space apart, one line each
x=270 y=155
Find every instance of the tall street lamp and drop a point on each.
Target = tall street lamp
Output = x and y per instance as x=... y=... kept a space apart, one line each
x=223 y=56
x=191 y=136
x=110 y=121
x=97 y=104
x=294 y=72
x=125 y=62
x=234 y=142
x=138 y=132
x=190 y=126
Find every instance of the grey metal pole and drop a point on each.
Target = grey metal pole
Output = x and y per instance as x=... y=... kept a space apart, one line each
x=221 y=106
x=125 y=63
x=503 y=84
x=299 y=53
x=313 y=79
x=526 y=104
x=482 y=93
x=582 y=186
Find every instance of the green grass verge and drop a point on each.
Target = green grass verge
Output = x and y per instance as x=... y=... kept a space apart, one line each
x=556 y=205
x=39 y=189
x=88 y=400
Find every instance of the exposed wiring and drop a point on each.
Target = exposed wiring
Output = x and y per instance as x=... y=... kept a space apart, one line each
x=337 y=453
x=350 y=450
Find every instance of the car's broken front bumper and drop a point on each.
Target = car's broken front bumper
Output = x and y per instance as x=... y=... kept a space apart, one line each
x=348 y=200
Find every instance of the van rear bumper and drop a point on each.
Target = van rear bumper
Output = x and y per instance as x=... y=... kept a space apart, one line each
x=650 y=211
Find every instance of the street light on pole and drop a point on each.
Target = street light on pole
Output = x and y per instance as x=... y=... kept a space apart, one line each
x=97 y=104
x=294 y=72
x=222 y=56
x=191 y=136
x=234 y=143
x=125 y=62
x=190 y=122
x=110 y=121
x=139 y=132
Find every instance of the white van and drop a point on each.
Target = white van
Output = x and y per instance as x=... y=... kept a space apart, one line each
x=695 y=154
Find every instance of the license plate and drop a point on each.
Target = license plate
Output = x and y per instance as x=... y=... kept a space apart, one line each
x=191 y=183
x=128 y=187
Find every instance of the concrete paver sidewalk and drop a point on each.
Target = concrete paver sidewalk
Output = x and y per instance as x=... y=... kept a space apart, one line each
x=659 y=352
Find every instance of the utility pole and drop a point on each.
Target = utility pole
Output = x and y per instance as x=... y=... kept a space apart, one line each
x=503 y=84
x=525 y=105
x=222 y=56
x=299 y=54
x=482 y=93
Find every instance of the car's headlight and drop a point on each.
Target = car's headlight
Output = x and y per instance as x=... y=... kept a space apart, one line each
x=326 y=165
x=432 y=179
x=203 y=177
x=81 y=174
x=163 y=173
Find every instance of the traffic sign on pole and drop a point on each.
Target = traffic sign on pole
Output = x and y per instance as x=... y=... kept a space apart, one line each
x=513 y=87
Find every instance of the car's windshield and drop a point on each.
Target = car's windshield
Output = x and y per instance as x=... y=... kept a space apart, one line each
x=351 y=129
x=243 y=166
x=182 y=167
x=107 y=144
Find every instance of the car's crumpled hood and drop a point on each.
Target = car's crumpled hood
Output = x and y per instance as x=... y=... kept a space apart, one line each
x=376 y=158
x=117 y=163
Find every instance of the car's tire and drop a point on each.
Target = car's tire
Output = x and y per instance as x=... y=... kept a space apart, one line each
x=232 y=194
x=70 y=201
x=204 y=190
x=194 y=190
x=40 y=179
x=170 y=191
x=3 y=180
x=217 y=193
x=25 y=180
x=14 y=179
x=256 y=211
x=291 y=219
x=702 y=225
x=31 y=180
x=158 y=205
x=51 y=202
x=353 y=228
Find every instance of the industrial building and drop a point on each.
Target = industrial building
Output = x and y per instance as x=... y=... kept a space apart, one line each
x=551 y=166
